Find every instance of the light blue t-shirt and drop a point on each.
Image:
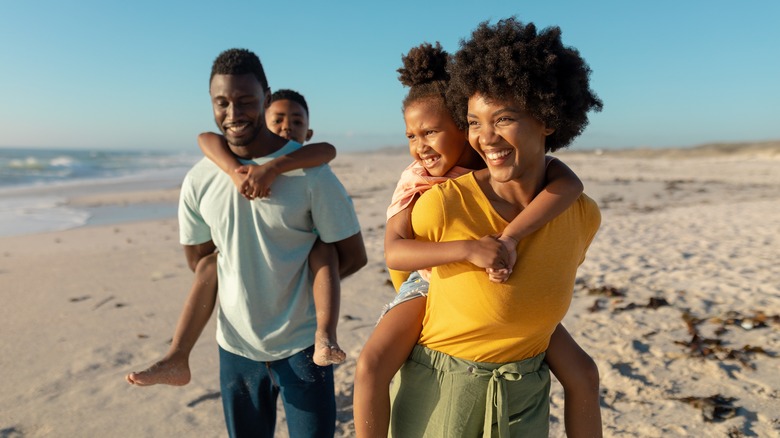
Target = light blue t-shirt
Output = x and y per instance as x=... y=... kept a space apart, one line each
x=266 y=309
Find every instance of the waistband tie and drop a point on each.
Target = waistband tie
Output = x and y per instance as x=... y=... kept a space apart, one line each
x=497 y=397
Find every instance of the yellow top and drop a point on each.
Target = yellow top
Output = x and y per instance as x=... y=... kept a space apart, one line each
x=471 y=318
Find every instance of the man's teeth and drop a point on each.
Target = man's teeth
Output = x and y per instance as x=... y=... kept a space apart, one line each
x=497 y=155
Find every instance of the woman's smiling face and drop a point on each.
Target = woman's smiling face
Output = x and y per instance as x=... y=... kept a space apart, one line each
x=508 y=138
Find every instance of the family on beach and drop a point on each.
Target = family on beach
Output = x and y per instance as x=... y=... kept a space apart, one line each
x=483 y=239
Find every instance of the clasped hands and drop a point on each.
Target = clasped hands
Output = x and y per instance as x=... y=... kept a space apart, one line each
x=496 y=254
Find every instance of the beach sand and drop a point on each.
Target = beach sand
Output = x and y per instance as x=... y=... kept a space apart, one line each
x=677 y=302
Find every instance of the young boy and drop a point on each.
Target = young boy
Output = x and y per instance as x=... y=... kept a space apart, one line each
x=288 y=117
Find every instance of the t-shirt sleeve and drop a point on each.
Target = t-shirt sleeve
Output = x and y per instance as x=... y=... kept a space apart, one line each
x=593 y=218
x=332 y=211
x=193 y=230
x=428 y=216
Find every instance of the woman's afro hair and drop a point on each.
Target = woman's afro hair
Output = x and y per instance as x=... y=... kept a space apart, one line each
x=512 y=61
x=425 y=72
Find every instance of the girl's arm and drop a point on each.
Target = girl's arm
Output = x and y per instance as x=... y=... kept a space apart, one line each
x=255 y=180
x=562 y=189
x=403 y=253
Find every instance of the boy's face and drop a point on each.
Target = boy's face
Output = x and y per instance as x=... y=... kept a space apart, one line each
x=507 y=137
x=288 y=119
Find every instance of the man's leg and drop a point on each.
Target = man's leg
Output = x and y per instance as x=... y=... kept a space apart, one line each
x=248 y=396
x=307 y=395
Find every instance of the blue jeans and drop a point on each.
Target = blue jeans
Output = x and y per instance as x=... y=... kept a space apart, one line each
x=250 y=389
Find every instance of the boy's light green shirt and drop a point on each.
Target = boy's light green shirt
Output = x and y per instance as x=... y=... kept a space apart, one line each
x=266 y=310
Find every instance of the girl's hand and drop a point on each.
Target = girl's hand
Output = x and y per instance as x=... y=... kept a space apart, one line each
x=488 y=252
x=502 y=275
x=257 y=180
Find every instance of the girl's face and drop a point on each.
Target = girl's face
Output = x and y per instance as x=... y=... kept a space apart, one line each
x=434 y=138
x=509 y=139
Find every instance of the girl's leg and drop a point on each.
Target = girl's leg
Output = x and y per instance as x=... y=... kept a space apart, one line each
x=386 y=350
x=323 y=262
x=174 y=368
x=579 y=376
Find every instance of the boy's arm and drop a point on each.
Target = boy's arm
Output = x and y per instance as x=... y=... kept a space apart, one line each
x=255 y=180
x=403 y=253
x=215 y=148
x=260 y=177
x=562 y=189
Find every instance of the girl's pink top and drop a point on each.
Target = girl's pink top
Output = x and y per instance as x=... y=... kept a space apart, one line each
x=415 y=180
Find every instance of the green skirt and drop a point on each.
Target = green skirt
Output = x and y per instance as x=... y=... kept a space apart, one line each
x=437 y=395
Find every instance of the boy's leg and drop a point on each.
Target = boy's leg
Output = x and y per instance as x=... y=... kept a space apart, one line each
x=386 y=350
x=323 y=262
x=248 y=396
x=174 y=369
x=579 y=376
x=307 y=394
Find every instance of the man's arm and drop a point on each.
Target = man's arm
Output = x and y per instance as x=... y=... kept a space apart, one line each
x=352 y=254
x=196 y=252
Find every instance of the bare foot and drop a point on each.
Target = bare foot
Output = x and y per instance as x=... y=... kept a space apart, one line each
x=327 y=350
x=168 y=371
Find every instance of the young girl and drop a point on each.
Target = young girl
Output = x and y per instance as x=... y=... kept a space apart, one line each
x=438 y=143
x=288 y=117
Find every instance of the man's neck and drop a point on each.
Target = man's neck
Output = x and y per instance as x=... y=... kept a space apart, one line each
x=264 y=144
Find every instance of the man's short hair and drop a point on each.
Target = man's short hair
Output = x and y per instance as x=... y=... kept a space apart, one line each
x=239 y=62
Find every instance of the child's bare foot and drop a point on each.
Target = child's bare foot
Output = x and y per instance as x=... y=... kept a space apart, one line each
x=327 y=350
x=168 y=371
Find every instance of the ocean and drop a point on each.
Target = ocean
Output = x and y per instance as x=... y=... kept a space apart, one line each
x=35 y=185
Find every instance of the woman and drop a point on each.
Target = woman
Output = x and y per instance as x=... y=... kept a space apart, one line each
x=479 y=363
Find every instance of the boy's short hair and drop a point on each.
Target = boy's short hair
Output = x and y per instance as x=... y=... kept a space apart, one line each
x=511 y=61
x=286 y=94
x=239 y=62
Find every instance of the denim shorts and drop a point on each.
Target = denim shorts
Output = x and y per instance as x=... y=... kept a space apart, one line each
x=414 y=287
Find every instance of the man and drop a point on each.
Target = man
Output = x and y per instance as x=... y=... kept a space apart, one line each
x=266 y=319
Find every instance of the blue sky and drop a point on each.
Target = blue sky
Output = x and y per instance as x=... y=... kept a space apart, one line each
x=116 y=74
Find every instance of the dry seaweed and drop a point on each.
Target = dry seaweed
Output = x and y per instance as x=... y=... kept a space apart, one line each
x=714 y=408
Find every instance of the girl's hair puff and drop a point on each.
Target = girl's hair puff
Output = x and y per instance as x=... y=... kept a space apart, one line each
x=425 y=72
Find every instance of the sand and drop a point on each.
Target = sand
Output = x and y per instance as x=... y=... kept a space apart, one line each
x=677 y=302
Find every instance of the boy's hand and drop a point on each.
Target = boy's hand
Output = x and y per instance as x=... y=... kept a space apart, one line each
x=501 y=275
x=488 y=252
x=257 y=180
x=239 y=180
